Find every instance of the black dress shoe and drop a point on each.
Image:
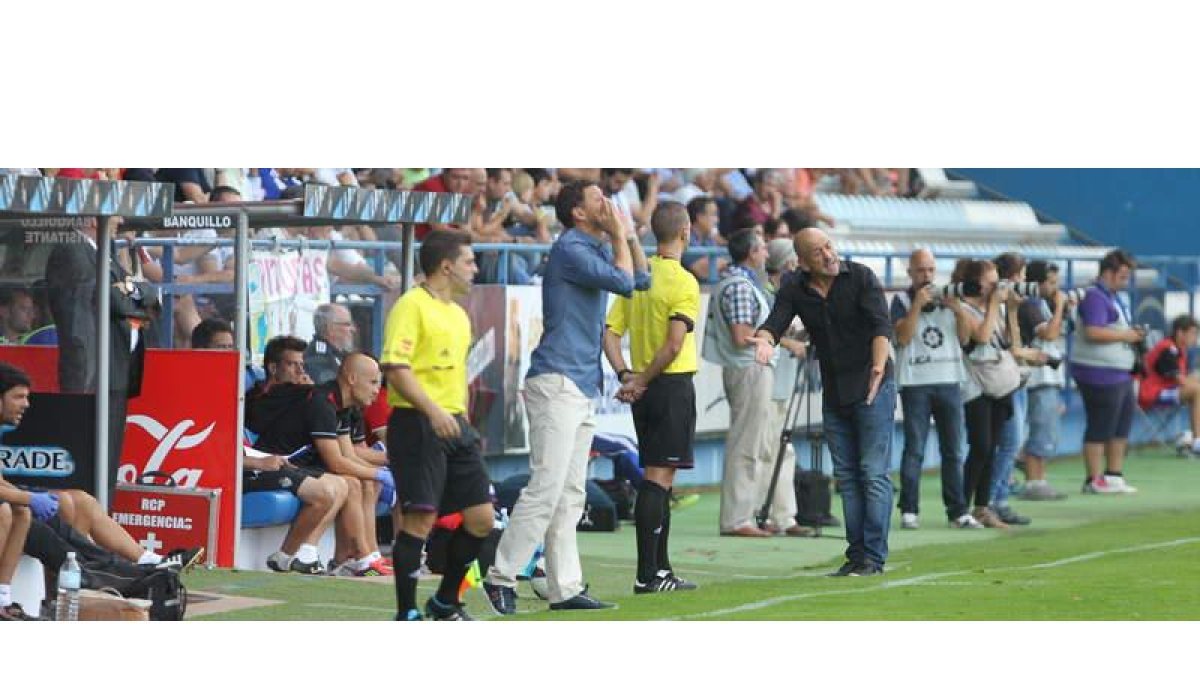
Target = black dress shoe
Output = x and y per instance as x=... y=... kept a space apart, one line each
x=581 y=601
x=845 y=570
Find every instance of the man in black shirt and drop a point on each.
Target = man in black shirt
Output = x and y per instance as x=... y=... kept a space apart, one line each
x=841 y=303
x=313 y=426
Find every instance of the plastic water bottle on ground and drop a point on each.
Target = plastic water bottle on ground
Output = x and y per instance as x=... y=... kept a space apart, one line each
x=70 y=578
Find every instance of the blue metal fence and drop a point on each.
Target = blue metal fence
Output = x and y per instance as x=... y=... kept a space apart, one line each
x=1175 y=273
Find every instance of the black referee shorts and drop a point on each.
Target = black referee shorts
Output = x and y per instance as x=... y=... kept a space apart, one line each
x=433 y=475
x=665 y=421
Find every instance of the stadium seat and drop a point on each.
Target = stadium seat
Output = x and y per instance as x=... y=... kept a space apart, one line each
x=265 y=520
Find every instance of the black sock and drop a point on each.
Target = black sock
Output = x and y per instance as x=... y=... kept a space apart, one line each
x=1112 y=473
x=462 y=549
x=406 y=562
x=664 y=560
x=648 y=517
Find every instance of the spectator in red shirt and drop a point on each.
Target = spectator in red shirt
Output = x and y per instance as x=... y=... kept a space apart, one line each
x=449 y=180
x=1167 y=382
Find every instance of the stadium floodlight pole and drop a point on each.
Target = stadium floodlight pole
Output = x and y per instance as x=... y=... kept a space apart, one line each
x=103 y=362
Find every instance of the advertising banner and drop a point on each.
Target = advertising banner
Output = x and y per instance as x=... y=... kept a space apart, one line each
x=45 y=452
x=285 y=287
x=185 y=425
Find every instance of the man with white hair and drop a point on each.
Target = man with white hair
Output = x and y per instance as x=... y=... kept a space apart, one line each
x=333 y=341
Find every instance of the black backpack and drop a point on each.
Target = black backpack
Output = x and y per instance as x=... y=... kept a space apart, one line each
x=814 y=499
x=599 y=512
x=50 y=542
x=623 y=495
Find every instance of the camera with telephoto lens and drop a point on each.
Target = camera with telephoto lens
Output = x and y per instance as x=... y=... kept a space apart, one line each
x=1054 y=361
x=1022 y=289
x=1140 y=350
x=961 y=289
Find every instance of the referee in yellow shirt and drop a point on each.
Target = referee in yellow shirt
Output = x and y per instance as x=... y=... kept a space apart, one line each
x=661 y=323
x=434 y=453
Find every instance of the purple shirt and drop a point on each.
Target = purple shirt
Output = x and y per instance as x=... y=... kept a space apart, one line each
x=1099 y=308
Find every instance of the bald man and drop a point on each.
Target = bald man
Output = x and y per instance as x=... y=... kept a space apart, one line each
x=842 y=305
x=315 y=428
x=929 y=368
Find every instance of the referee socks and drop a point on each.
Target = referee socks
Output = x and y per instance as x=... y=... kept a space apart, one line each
x=648 y=517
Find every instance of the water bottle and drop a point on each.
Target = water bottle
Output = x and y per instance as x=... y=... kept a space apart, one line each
x=70 y=578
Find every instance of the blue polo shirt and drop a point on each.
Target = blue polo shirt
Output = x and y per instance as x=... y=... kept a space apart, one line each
x=575 y=287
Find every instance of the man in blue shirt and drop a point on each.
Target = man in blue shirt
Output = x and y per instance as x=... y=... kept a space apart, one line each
x=564 y=376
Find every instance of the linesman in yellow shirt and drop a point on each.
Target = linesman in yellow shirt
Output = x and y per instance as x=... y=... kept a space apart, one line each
x=661 y=323
x=434 y=453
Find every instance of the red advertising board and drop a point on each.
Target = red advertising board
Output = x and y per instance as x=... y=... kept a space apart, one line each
x=184 y=424
x=162 y=519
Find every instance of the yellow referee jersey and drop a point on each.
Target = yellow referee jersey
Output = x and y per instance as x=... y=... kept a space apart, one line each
x=432 y=337
x=673 y=294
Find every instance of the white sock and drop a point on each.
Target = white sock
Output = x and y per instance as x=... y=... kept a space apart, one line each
x=149 y=558
x=5 y=595
x=307 y=553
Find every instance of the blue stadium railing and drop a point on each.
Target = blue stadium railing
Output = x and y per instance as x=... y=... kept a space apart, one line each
x=1176 y=273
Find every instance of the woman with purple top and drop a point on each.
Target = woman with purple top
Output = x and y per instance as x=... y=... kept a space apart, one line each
x=1102 y=361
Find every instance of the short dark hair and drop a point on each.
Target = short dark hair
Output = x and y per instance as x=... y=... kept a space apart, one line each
x=216 y=193
x=440 y=245
x=1008 y=264
x=12 y=376
x=569 y=198
x=1115 y=260
x=959 y=274
x=668 y=221
x=1183 y=322
x=798 y=219
x=1038 y=271
x=494 y=174
x=276 y=346
x=538 y=175
x=203 y=333
x=697 y=206
x=612 y=172
x=973 y=270
x=9 y=295
x=741 y=242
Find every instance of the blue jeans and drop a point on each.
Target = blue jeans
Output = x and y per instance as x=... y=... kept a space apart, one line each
x=860 y=442
x=1012 y=437
x=944 y=403
x=1043 y=421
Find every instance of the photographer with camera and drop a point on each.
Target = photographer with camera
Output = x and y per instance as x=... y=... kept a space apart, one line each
x=1166 y=381
x=992 y=377
x=1011 y=269
x=930 y=328
x=1043 y=328
x=1103 y=358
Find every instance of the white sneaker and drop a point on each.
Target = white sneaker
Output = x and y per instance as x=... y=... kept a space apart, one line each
x=908 y=521
x=966 y=522
x=1184 y=440
x=1108 y=485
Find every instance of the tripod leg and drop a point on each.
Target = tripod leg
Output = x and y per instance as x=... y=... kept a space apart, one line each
x=785 y=437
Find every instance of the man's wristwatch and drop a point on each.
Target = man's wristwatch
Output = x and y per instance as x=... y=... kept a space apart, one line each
x=622 y=372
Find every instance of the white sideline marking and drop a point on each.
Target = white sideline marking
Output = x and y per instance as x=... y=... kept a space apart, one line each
x=331 y=605
x=923 y=579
